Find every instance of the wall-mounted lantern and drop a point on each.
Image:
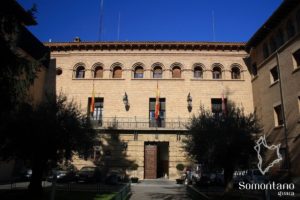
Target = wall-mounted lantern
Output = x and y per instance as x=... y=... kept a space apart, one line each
x=189 y=101
x=126 y=101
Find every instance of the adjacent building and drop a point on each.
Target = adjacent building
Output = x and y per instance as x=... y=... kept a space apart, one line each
x=30 y=48
x=274 y=52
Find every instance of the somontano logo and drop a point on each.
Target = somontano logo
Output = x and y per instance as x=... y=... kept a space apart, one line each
x=262 y=142
x=283 y=189
x=266 y=186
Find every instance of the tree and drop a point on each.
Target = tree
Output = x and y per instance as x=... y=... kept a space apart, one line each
x=37 y=134
x=48 y=133
x=18 y=69
x=222 y=140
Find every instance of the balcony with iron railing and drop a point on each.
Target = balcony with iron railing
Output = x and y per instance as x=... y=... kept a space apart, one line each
x=135 y=123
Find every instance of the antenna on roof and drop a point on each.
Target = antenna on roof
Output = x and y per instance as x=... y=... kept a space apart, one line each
x=119 y=26
x=213 y=25
x=101 y=20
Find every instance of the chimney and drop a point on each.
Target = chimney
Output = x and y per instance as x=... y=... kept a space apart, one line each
x=77 y=39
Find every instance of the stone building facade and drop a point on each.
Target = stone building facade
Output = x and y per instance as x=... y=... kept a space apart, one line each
x=275 y=61
x=125 y=77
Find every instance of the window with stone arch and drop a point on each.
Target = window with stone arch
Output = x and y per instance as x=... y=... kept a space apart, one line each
x=217 y=71
x=79 y=71
x=138 y=71
x=117 y=72
x=176 y=72
x=235 y=72
x=98 y=71
x=157 y=72
x=198 y=71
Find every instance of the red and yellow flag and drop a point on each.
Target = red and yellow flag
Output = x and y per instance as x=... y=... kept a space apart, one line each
x=92 y=105
x=157 y=103
x=223 y=104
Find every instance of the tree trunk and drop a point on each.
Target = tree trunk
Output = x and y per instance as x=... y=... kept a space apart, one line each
x=35 y=185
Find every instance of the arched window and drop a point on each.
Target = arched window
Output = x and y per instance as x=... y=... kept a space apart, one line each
x=176 y=72
x=198 y=72
x=138 y=72
x=217 y=73
x=98 y=72
x=157 y=72
x=290 y=29
x=80 y=71
x=235 y=73
x=117 y=72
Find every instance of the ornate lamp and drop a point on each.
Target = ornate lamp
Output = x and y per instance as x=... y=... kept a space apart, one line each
x=126 y=101
x=189 y=101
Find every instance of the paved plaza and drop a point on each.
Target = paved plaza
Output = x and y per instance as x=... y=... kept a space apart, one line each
x=158 y=190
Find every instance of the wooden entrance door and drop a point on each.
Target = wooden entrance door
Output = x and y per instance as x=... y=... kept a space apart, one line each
x=150 y=161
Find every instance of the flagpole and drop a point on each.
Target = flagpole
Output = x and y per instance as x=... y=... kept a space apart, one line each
x=223 y=99
x=157 y=104
x=101 y=21
x=119 y=26
x=92 y=105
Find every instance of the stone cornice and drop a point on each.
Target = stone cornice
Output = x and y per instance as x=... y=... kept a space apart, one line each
x=194 y=46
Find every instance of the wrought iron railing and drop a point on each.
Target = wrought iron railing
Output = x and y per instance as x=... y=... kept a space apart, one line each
x=135 y=123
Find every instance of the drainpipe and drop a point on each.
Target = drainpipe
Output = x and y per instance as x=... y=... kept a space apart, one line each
x=287 y=161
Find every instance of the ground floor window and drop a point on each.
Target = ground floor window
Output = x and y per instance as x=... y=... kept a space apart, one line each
x=95 y=112
x=158 y=121
x=218 y=106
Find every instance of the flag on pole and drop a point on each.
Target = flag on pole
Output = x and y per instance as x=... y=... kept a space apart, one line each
x=157 y=103
x=92 y=105
x=223 y=104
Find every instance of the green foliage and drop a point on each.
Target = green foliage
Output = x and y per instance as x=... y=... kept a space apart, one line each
x=18 y=71
x=134 y=166
x=33 y=10
x=222 y=141
x=52 y=130
x=46 y=134
x=180 y=167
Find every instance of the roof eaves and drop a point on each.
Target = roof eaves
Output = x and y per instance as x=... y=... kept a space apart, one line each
x=272 y=22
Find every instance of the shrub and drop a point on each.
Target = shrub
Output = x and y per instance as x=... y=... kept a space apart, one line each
x=180 y=167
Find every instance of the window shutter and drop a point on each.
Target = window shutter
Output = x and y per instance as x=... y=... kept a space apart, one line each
x=117 y=72
x=152 y=104
x=162 y=105
x=98 y=72
x=176 y=73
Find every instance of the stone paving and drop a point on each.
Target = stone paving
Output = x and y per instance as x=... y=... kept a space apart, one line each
x=159 y=189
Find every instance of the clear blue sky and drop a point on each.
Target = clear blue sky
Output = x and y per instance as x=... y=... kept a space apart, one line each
x=150 y=20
